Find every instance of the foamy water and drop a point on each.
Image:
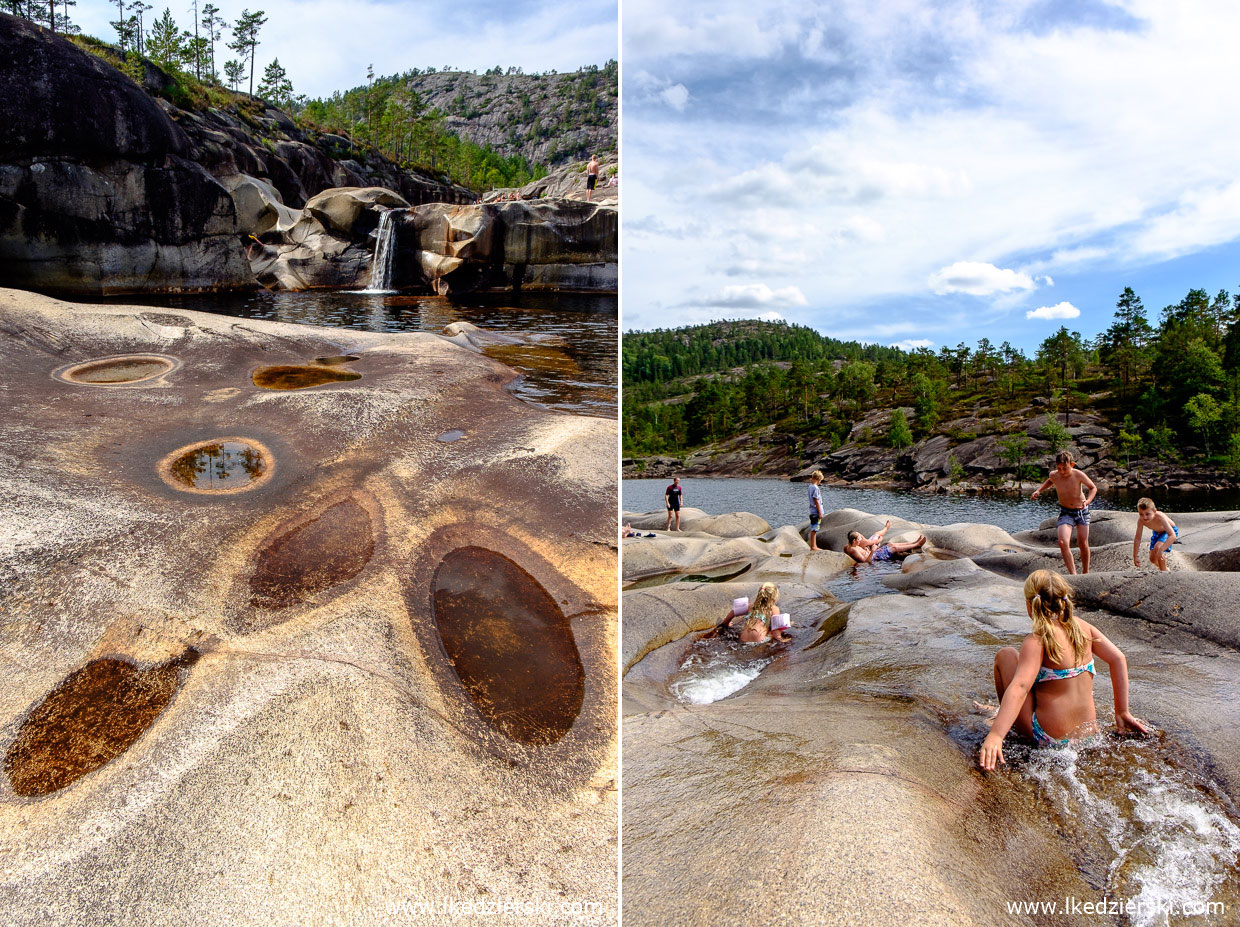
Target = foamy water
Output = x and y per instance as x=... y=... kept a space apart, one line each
x=1173 y=838
x=715 y=670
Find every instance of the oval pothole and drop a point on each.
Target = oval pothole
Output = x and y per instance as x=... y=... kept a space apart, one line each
x=335 y=360
x=218 y=466
x=124 y=370
x=316 y=555
x=94 y=715
x=510 y=645
x=298 y=376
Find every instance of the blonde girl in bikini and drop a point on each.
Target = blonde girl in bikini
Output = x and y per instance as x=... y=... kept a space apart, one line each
x=1046 y=690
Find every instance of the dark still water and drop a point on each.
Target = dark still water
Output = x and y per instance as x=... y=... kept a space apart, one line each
x=578 y=376
x=783 y=503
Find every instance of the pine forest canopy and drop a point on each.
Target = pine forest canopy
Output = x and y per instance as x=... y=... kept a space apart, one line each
x=385 y=114
x=1172 y=385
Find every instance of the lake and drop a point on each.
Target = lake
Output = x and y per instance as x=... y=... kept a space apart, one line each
x=783 y=503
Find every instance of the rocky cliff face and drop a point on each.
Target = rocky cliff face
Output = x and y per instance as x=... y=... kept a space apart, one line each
x=105 y=189
x=98 y=191
x=545 y=118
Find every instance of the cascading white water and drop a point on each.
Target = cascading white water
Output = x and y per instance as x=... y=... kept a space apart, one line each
x=385 y=252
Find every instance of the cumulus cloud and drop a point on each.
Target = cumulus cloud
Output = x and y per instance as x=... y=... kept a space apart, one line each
x=675 y=96
x=912 y=344
x=978 y=279
x=752 y=296
x=1064 y=310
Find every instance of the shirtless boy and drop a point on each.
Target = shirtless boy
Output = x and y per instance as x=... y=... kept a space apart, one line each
x=1163 y=534
x=873 y=550
x=1071 y=485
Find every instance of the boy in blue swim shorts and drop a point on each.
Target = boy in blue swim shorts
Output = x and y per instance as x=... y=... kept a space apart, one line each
x=1075 y=491
x=1163 y=533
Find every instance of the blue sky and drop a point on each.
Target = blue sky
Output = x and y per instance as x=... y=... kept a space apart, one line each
x=927 y=173
x=325 y=45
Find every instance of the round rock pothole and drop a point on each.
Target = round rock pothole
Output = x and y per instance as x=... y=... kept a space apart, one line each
x=124 y=370
x=218 y=466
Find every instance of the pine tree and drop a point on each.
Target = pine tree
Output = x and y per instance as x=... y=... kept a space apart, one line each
x=276 y=88
x=213 y=25
x=245 y=38
x=164 y=46
x=234 y=73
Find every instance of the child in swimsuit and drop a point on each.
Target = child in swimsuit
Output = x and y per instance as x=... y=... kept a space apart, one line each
x=872 y=550
x=1163 y=533
x=1046 y=690
x=757 y=627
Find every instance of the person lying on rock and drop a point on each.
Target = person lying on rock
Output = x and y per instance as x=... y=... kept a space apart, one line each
x=1163 y=533
x=1046 y=690
x=873 y=550
x=1070 y=485
x=757 y=627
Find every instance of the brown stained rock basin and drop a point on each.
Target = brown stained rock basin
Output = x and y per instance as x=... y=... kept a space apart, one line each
x=92 y=717
x=510 y=645
x=293 y=376
x=118 y=371
x=330 y=549
x=334 y=722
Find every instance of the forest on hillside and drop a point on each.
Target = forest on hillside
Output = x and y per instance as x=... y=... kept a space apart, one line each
x=212 y=63
x=1166 y=387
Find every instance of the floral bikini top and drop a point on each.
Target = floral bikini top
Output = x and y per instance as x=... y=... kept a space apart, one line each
x=1045 y=674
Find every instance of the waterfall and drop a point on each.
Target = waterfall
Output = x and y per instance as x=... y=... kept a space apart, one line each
x=385 y=252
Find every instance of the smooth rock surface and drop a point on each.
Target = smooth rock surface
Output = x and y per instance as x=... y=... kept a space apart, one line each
x=320 y=758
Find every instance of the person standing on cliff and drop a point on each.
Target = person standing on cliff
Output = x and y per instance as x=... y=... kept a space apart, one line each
x=1070 y=485
x=591 y=177
x=815 y=508
x=672 y=497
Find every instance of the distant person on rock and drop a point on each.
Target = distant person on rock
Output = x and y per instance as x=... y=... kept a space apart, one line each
x=672 y=498
x=873 y=550
x=1070 y=485
x=815 y=508
x=1046 y=689
x=1163 y=533
x=591 y=177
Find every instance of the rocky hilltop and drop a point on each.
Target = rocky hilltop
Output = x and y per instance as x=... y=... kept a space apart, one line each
x=545 y=118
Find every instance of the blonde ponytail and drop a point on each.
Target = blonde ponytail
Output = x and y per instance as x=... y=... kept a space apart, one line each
x=1050 y=601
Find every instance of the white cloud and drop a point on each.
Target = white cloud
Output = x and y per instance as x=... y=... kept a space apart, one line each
x=1064 y=310
x=912 y=344
x=978 y=279
x=675 y=96
x=753 y=296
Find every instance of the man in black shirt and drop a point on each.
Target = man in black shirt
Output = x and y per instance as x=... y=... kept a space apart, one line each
x=672 y=497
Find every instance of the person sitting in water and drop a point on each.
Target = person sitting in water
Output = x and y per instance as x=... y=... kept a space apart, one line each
x=1046 y=690
x=873 y=550
x=1163 y=533
x=757 y=627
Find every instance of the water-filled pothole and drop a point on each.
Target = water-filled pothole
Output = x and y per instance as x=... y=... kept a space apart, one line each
x=510 y=645
x=92 y=717
x=449 y=436
x=294 y=376
x=335 y=360
x=118 y=371
x=223 y=465
x=317 y=555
